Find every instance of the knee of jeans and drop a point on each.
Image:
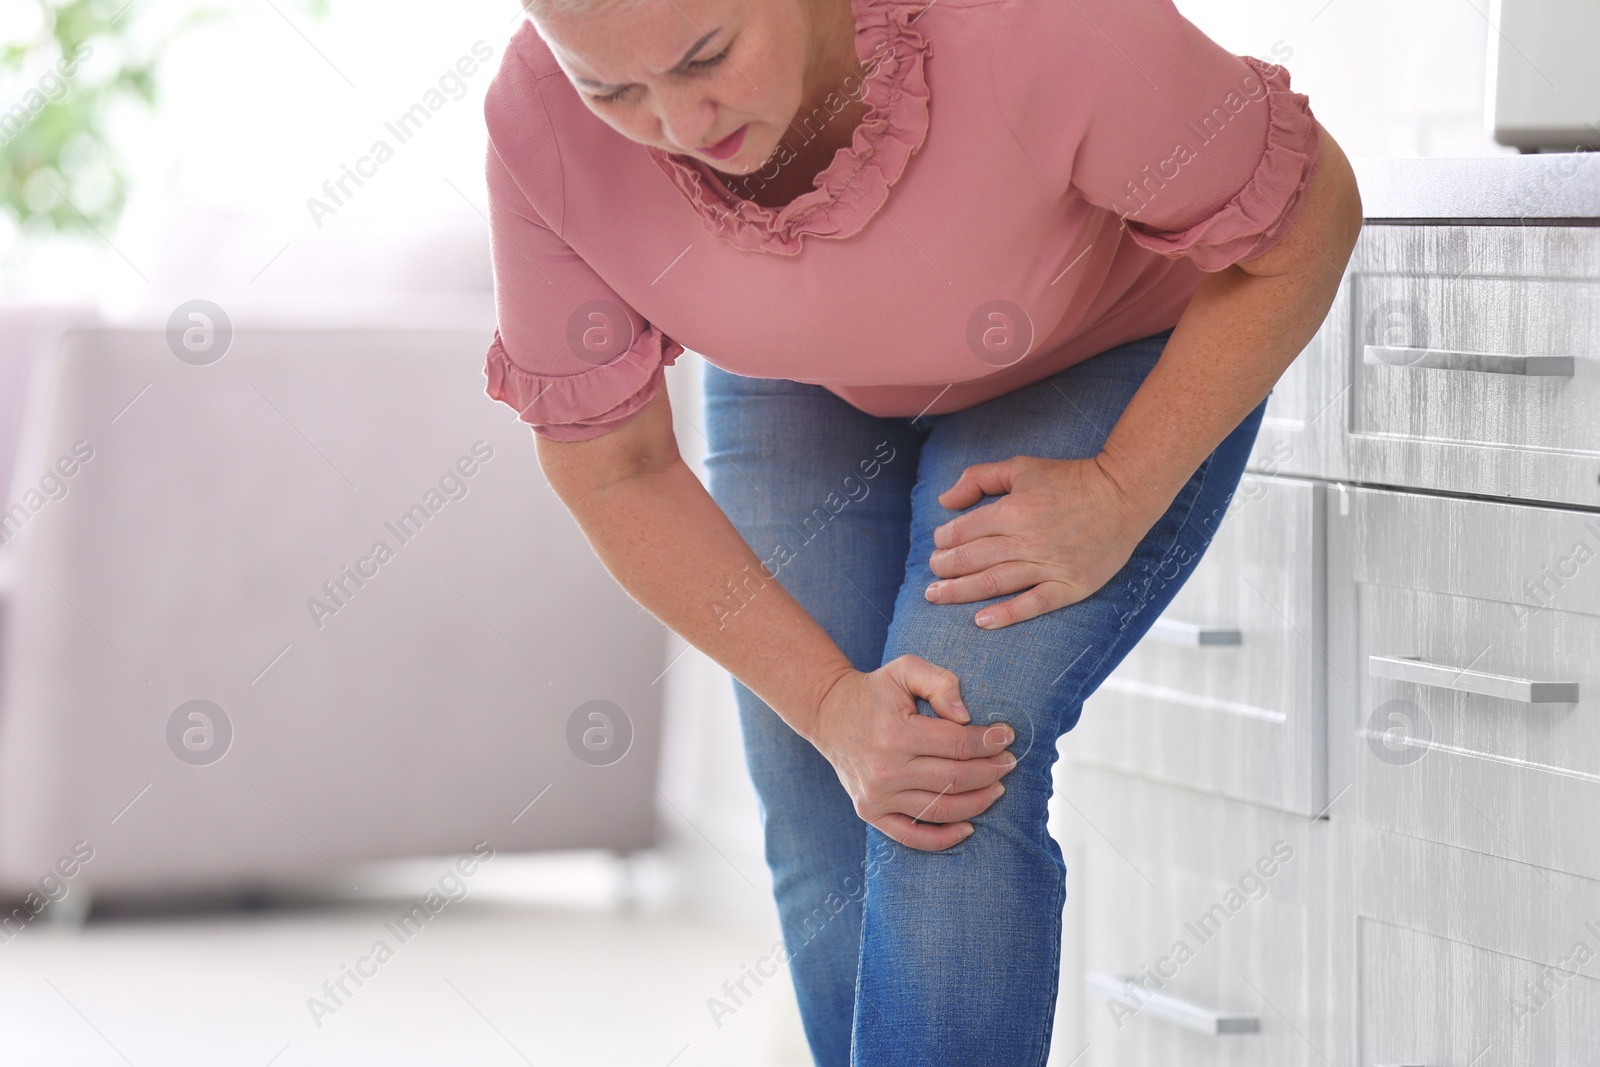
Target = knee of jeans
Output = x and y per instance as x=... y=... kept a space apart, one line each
x=1012 y=834
x=1023 y=675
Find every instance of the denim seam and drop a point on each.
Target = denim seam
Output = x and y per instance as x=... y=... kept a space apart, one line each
x=1055 y=969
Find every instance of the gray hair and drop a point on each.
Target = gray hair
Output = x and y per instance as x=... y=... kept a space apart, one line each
x=538 y=9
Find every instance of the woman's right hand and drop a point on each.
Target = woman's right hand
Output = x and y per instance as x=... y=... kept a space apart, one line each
x=900 y=766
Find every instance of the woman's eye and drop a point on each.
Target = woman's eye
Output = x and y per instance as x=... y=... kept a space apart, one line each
x=704 y=64
x=696 y=65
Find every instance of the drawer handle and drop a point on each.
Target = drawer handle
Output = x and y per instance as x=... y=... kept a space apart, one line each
x=1486 y=362
x=1525 y=690
x=1193 y=635
x=1171 y=1009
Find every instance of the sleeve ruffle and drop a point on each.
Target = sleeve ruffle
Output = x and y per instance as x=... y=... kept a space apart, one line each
x=576 y=407
x=1255 y=220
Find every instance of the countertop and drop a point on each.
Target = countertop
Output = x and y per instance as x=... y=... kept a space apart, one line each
x=1505 y=189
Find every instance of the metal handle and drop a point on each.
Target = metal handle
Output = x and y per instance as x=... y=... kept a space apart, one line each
x=1524 y=690
x=1485 y=362
x=1171 y=1009
x=1193 y=635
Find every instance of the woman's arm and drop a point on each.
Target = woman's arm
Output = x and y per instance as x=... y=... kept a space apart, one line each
x=1062 y=528
x=669 y=545
x=1237 y=336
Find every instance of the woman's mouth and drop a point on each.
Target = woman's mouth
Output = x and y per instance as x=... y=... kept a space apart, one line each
x=728 y=145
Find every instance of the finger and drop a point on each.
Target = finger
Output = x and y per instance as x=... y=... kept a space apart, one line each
x=946 y=807
x=978 y=481
x=937 y=739
x=933 y=775
x=1042 y=598
x=937 y=686
x=972 y=558
x=994 y=518
x=929 y=837
x=998 y=580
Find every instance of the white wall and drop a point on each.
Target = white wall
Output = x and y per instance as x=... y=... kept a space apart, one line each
x=1386 y=78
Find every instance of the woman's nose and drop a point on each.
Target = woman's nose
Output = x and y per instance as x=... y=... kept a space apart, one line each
x=687 y=117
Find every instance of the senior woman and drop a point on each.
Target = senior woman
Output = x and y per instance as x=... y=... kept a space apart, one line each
x=991 y=294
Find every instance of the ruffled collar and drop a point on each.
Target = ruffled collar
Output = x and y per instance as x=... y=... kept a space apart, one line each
x=854 y=186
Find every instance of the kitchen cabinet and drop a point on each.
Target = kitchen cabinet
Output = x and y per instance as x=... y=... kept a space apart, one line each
x=1197 y=920
x=1389 y=657
x=1474 y=360
x=1465 y=672
x=1457 y=957
x=1225 y=693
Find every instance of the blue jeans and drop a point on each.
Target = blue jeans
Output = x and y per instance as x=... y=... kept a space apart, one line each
x=900 y=956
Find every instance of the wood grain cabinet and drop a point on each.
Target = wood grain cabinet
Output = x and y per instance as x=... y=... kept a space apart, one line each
x=1473 y=361
x=1449 y=956
x=1465 y=673
x=1389 y=656
x=1199 y=927
x=1225 y=693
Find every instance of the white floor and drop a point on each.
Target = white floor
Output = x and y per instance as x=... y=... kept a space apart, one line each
x=516 y=973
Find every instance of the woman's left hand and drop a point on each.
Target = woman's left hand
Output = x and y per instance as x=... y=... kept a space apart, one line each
x=1060 y=530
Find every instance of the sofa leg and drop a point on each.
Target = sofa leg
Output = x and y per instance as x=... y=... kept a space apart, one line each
x=72 y=910
x=627 y=883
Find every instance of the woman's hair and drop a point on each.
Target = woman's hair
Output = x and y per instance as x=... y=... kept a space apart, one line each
x=537 y=9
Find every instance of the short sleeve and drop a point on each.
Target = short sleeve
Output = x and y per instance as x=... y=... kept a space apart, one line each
x=569 y=355
x=1204 y=154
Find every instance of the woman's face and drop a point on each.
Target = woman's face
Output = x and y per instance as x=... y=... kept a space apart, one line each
x=686 y=76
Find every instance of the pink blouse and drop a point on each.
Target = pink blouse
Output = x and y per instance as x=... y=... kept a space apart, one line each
x=1035 y=181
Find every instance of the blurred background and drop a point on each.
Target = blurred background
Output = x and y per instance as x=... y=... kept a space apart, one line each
x=323 y=737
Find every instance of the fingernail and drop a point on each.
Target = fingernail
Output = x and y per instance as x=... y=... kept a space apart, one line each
x=961 y=710
x=984 y=619
x=970 y=831
x=932 y=590
x=1000 y=790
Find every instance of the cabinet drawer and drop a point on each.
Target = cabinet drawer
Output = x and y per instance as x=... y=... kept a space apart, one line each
x=1427 y=1000
x=1465 y=686
x=1202 y=927
x=1473 y=359
x=1462 y=958
x=1225 y=693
